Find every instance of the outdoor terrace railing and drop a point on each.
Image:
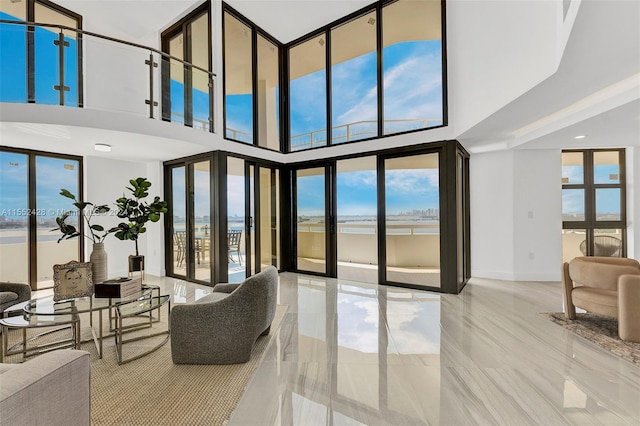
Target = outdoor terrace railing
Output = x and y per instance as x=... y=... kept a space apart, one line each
x=358 y=130
x=55 y=64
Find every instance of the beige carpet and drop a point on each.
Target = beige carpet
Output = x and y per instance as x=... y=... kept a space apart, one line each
x=153 y=391
x=599 y=329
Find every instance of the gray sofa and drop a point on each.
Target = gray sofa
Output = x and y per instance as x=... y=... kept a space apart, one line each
x=51 y=389
x=222 y=327
x=13 y=293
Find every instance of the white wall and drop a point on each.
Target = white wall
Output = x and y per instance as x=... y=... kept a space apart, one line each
x=537 y=215
x=491 y=205
x=506 y=66
x=516 y=215
x=105 y=181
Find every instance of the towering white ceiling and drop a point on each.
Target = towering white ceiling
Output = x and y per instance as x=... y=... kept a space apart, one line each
x=595 y=89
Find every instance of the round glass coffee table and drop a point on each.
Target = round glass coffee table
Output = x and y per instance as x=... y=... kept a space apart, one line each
x=47 y=307
x=31 y=345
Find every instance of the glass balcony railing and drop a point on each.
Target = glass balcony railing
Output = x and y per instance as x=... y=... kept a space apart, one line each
x=58 y=65
x=359 y=130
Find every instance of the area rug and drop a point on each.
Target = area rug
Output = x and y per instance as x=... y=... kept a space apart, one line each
x=153 y=391
x=599 y=329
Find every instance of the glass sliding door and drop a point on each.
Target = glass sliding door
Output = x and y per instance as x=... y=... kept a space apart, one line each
x=311 y=219
x=236 y=210
x=269 y=217
x=53 y=174
x=412 y=222
x=251 y=225
x=178 y=264
x=201 y=231
x=30 y=201
x=190 y=250
x=14 y=221
x=357 y=210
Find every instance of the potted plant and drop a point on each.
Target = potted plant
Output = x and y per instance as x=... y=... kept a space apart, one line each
x=97 y=233
x=138 y=213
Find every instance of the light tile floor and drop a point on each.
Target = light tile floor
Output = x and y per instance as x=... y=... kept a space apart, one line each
x=349 y=353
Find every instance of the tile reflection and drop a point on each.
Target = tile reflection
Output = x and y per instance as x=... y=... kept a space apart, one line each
x=355 y=353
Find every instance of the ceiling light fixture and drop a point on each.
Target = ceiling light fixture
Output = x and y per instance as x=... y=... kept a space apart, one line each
x=580 y=137
x=102 y=147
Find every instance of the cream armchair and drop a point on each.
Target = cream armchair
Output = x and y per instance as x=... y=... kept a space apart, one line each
x=607 y=286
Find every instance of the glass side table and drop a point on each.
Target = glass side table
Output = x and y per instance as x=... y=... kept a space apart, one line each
x=31 y=346
x=140 y=309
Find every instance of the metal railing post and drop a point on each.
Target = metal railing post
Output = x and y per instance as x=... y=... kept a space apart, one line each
x=60 y=87
x=152 y=64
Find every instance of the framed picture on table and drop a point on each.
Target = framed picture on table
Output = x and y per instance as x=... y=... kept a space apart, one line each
x=72 y=280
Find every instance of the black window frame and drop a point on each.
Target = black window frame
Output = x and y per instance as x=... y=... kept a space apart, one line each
x=255 y=31
x=326 y=30
x=590 y=224
x=182 y=27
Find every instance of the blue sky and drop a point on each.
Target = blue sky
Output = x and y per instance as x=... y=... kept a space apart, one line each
x=607 y=200
x=13 y=86
x=53 y=174
x=412 y=78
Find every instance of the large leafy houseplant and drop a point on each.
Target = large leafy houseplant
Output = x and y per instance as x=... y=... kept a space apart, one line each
x=97 y=233
x=88 y=210
x=137 y=212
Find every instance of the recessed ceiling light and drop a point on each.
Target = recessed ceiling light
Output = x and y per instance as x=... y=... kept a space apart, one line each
x=580 y=137
x=102 y=147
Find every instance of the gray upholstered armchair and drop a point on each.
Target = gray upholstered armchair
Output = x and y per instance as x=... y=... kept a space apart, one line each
x=13 y=293
x=222 y=327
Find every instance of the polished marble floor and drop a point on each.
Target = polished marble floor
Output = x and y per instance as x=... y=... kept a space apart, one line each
x=350 y=353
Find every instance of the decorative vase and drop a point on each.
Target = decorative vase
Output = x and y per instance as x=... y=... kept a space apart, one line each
x=98 y=259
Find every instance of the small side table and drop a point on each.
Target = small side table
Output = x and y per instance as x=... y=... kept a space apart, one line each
x=26 y=322
x=136 y=309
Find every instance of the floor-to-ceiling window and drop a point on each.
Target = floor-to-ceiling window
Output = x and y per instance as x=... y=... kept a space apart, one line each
x=371 y=74
x=30 y=201
x=251 y=83
x=307 y=94
x=413 y=65
x=593 y=203
x=398 y=217
x=187 y=90
x=30 y=57
x=238 y=80
x=354 y=79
